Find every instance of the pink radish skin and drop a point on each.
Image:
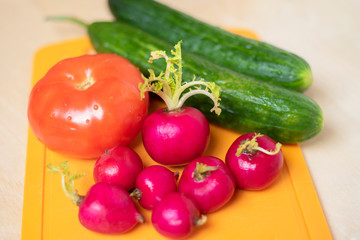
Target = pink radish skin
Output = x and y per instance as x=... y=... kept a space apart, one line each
x=175 y=137
x=153 y=184
x=108 y=208
x=176 y=216
x=254 y=169
x=209 y=181
x=119 y=165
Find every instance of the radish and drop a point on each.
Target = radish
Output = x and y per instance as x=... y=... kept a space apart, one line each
x=176 y=216
x=176 y=135
x=209 y=181
x=106 y=208
x=153 y=184
x=119 y=165
x=255 y=160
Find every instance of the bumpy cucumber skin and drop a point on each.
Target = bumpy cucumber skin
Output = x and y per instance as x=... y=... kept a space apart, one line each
x=247 y=105
x=257 y=59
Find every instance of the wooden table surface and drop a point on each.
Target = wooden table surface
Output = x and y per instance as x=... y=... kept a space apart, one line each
x=325 y=33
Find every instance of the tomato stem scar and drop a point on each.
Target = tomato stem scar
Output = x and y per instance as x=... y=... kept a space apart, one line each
x=88 y=82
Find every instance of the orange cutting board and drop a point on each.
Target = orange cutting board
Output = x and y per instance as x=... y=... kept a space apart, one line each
x=289 y=209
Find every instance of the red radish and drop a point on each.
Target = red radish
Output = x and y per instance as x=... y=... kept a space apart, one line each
x=106 y=208
x=176 y=135
x=153 y=184
x=176 y=216
x=119 y=165
x=209 y=181
x=255 y=161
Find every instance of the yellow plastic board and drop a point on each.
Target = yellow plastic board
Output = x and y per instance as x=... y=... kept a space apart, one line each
x=288 y=209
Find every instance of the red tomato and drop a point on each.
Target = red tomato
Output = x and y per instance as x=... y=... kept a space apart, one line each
x=88 y=104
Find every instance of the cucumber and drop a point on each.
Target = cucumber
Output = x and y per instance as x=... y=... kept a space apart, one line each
x=247 y=105
x=258 y=59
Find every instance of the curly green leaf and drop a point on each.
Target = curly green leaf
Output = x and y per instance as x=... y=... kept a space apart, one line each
x=168 y=85
x=67 y=179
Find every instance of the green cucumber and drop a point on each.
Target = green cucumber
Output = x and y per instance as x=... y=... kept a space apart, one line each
x=257 y=59
x=247 y=105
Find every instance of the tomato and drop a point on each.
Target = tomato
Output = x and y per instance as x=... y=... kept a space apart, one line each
x=88 y=104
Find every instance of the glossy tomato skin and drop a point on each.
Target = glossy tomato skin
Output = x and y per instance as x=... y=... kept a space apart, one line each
x=88 y=104
x=254 y=171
